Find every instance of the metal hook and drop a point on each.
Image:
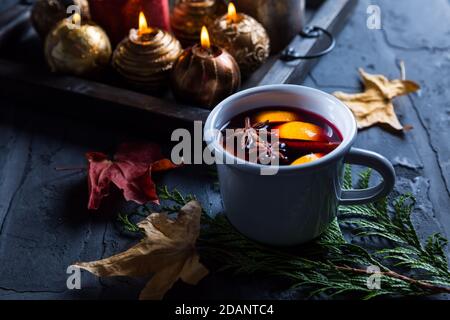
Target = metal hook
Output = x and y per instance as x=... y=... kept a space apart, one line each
x=291 y=53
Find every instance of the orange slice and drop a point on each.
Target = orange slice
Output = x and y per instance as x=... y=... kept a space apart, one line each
x=297 y=130
x=276 y=116
x=308 y=158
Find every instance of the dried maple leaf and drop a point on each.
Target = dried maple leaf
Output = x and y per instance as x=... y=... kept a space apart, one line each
x=130 y=171
x=374 y=105
x=167 y=251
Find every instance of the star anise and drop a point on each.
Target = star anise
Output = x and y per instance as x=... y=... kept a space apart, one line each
x=248 y=135
x=265 y=152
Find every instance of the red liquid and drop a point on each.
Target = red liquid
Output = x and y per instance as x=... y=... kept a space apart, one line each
x=298 y=136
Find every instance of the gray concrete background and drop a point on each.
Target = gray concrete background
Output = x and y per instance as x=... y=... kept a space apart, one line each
x=44 y=224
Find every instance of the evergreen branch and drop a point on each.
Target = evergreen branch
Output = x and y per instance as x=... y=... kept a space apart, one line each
x=364 y=179
x=424 y=285
x=174 y=196
x=125 y=221
x=331 y=265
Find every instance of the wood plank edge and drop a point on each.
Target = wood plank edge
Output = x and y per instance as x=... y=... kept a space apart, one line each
x=285 y=72
x=303 y=69
x=82 y=87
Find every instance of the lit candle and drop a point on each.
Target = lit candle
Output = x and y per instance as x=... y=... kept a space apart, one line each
x=205 y=74
x=45 y=14
x=144 y=33
x=143 y=26
x=188 y=17
x=204 y=40
x=117 y=17
x=243 y=37
x=232 y=14
x=77 y=46
x=146 y=57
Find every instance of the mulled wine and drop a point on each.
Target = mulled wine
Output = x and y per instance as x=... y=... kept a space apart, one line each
x=280 y=135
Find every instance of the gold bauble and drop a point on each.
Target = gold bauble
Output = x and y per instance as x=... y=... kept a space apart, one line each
x=47 y=13
x=83 y=50
x=245 y=39
x=189 y=16
x=145 y=61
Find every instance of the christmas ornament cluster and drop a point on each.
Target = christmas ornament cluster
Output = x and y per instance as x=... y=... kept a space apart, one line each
x=201 y=49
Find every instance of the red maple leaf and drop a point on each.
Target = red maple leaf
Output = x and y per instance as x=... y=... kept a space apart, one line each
x=130 y=170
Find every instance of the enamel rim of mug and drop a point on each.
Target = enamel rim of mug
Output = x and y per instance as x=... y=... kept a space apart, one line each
x=232 y=160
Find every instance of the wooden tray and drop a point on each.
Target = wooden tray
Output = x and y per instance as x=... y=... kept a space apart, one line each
x=23 y=71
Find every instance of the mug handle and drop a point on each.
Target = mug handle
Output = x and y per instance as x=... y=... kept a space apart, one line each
x=381 y=165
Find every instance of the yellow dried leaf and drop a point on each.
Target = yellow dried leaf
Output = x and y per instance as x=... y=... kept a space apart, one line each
x=167 y=251
x=374 y=105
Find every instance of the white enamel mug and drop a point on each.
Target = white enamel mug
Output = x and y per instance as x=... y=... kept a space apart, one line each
x=298 y=203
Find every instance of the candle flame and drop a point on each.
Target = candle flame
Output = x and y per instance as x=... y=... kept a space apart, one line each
x=76 y=18
x=143 y=26
x=232 y=15
x=204 y=37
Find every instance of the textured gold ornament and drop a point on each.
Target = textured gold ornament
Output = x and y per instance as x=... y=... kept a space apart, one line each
x=47 y=13
x=205 y=77
x=189 y=16
x=145 y=61
x=245 y=39
x=83 y=50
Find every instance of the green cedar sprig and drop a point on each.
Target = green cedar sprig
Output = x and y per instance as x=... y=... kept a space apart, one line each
x=331 y=266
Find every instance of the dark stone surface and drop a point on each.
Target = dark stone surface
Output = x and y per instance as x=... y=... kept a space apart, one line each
x=423 y=152
x=44 y=224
